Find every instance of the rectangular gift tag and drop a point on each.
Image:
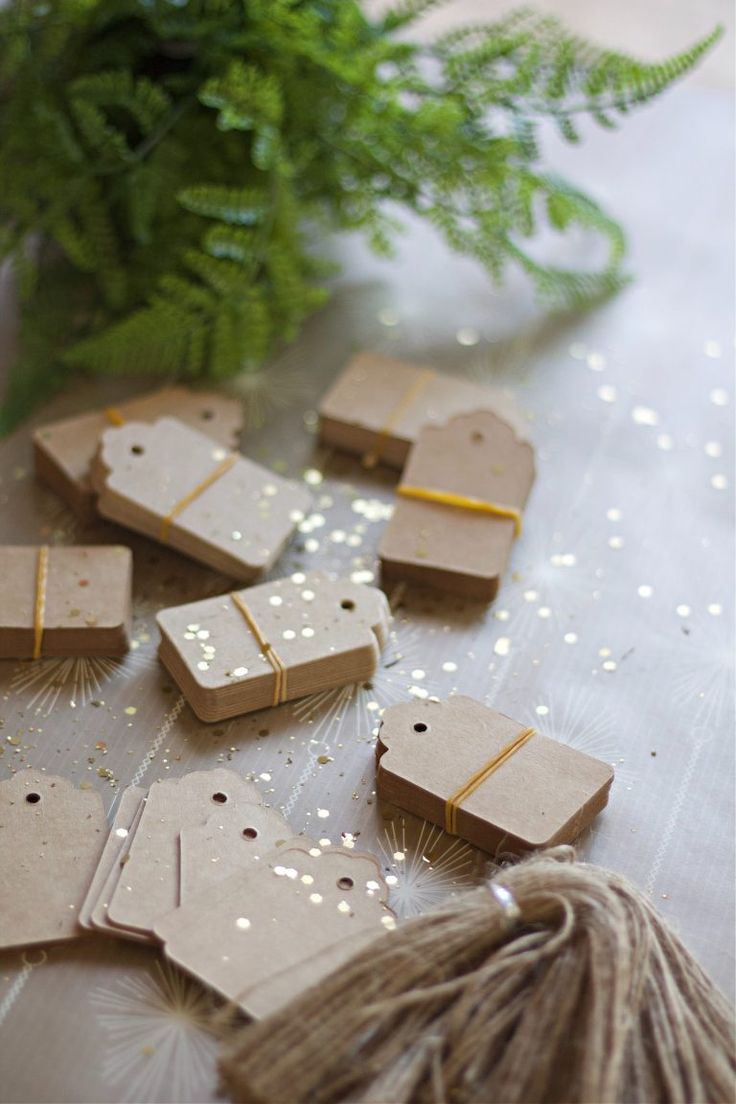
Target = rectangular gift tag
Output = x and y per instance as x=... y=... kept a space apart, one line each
x=459 y=506
x=148 y=886
x=175 y=485
x=485 y=777
x=51 y=837
x=98 y=914
x=232 y=839
x=300 y=907
x=64 y=450
x=273 y=643
x=64 y=601
x=128 y=806
x=378 y=405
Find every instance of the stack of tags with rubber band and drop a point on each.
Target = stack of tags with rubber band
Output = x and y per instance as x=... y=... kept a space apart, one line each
x=378 y=405
x=459 y=507
x=63 y=451
x=202 y=866
x=481 y=775
x=64 y=601
x=174 y=484
x=272 y=643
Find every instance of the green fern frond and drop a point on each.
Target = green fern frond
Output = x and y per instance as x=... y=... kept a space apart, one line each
x=168 y=170
x=236 y=206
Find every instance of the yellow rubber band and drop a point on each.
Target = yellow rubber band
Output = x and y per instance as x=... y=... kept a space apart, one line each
x=182 y=504
x=454 y=802
x=464 y=502
x=410 y=395
x=114 y=416
x=39 y=606
x=279 y=667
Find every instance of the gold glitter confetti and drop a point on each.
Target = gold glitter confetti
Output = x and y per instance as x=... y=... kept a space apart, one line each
x=243 y=923
x=607 y=393
x=131 y=710
x=645 y=416
x=502 y=647
x=468 y=336
x=645 y=591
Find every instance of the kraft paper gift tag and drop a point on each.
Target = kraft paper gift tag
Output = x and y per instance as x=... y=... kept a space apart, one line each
x=459 y=506
x=233 y=839
x=148 y=883
x=63 y=451
x=129 y=809
x=485 y=777
x=51 y=837
x=378 y=405
x=272 y=643
x=175 y=485
x=64 y=601
x=266 y=936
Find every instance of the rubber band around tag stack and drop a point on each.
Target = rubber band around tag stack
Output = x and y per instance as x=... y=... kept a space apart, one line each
x=114 y=416
x=370 y=459
x=279 y=667
x=454 y=802
x=174 y=512
x=39 y=605
x=463 y=502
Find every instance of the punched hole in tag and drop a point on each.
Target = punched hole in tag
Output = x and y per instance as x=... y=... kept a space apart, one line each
x=219 y=798
x=249 y=833
x=420 y=726
x=33 y=798
x=137 y=450
x=347 y=604
x=477 y=437
x=345 y=882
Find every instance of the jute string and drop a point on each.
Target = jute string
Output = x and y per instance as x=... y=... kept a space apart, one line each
x=589 y=998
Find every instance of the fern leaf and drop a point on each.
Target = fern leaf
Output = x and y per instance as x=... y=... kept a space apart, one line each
x=236 y=206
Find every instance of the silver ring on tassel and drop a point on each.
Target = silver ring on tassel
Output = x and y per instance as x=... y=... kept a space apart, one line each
x=507 y=901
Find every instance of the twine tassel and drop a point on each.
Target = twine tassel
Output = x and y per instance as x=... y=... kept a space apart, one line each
x=582 y=995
